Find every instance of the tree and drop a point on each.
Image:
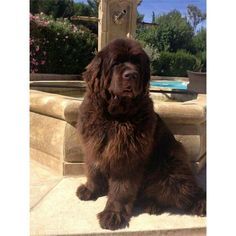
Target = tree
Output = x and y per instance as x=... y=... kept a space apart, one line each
x=199 y=41
x=87 y=9
x=56 y=8
x=34 y=6
x=153 y=17
x=82 y=9
x=199 y=47
x=139 y=17
x=173 y=32
x=195 y=15
x=93 y=4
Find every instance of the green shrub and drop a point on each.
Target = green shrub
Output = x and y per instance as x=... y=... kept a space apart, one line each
x=199 y=45
x=57 y=46
x=174 y=64
x=202 y=58
x=199 y=41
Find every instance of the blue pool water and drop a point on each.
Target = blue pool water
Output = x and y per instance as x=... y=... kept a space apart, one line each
x=170 y=84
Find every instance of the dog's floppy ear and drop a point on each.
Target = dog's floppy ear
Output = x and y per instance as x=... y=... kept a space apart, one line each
x=145 y=69
x=93 y=73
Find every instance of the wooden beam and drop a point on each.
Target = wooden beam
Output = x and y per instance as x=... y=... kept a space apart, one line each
x=85 y=18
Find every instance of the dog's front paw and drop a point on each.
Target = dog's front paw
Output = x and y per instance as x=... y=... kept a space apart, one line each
x=83 y=193
x=113 y=220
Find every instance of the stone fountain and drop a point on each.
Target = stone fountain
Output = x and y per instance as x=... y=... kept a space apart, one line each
x=54 y=140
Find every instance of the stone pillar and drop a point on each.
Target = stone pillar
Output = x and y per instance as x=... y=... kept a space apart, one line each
x=117 y=19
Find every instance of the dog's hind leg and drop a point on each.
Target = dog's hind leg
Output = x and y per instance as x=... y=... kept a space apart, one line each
x=198 y=206
x=148 y=205
x=175 y=191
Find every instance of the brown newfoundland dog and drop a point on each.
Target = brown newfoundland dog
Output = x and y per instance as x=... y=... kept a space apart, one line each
x=130 y=154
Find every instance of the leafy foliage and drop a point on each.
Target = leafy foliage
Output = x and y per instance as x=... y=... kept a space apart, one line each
x=199 y=47
x=55 y=8
x=64 y=8
x=199 y=41
x=172 y=45
x=82 y=9
x=140 y=17
x=172 y=33
x=174 y=63
x=57 y=46
x=93 y=4
x=89 y=9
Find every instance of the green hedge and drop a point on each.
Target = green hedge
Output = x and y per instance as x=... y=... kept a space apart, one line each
x=174 y=64
x=202 y=57
x=57 y=46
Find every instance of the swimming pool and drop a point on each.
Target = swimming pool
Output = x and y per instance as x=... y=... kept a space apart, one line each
x=170 y=84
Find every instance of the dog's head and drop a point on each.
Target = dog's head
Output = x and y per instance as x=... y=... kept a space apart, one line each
x=119 y=73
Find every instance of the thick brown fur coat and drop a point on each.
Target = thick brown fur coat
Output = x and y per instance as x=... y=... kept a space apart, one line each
x=130 y=154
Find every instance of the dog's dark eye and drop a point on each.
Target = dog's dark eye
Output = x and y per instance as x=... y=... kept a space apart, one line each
x=115 y=64
x=135 y=60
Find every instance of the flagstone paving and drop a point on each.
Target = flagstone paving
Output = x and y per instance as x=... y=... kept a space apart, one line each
x=55 y=210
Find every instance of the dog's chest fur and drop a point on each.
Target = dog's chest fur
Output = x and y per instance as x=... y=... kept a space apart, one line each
x=113 y=143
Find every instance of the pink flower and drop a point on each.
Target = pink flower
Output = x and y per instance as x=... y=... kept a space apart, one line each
x=37 y=48
x=42 y=62
x=74 y=28
x=31 y=17
x=45 y=23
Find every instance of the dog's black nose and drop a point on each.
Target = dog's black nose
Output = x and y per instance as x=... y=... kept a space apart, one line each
x=129 y=74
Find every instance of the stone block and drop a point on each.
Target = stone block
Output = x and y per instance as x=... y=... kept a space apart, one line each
x=46 y=160
x=56 y=144
x=181 y=113
x=72 y=145
x=75 y=168
x=117 y=19
x=47 y=134
x=193 y=138
x=54 y=105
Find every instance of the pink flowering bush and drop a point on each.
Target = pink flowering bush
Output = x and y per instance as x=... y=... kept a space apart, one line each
x=57 y=46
